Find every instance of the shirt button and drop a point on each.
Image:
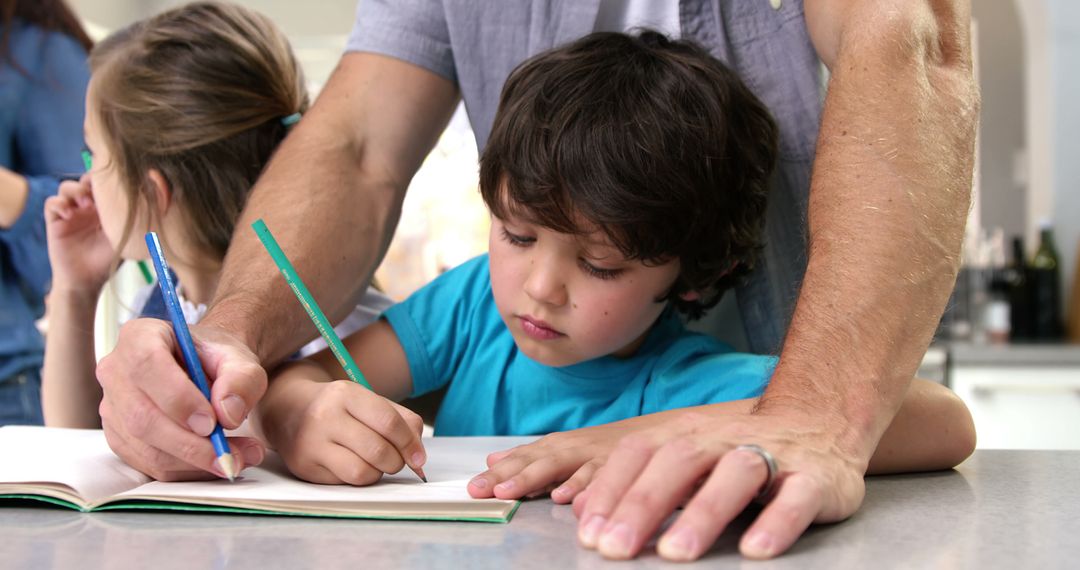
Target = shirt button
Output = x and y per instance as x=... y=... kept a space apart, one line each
x=775 y=4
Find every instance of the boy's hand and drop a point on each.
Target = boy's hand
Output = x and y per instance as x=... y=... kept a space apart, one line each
x=563 y=463
x=79 y=251
x=344 y=433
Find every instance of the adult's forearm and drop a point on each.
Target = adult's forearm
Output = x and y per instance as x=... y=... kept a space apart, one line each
x=331 y=196
x=13 y=193
x=333 y=225
x=889 y=194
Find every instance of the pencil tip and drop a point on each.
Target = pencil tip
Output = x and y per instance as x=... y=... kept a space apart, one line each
x=228 y=466
x=420 y=473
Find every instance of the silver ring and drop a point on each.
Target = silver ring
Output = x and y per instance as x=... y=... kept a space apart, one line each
x=770 y=465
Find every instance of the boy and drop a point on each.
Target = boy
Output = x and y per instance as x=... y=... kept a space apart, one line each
x=626 y=178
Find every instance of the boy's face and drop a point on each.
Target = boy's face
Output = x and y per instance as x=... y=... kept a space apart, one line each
x=567 y=299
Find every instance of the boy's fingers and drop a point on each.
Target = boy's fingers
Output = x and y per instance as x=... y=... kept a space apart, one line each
x=483 y=485
x=535 y=475
x=383 y=418
x=498 y=456
x=576 y=484
x=348 y=467
x=366 y=444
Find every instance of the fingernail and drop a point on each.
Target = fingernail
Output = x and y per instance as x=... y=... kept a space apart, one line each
x=559 y=492
x=679 y=545
x=615 y=542
x=201 y=423
x=234 y=409
x=590 y=531
x=505 y=486
x=760 y=545
x=253 y=455
x=418 y=459
x=479 y=483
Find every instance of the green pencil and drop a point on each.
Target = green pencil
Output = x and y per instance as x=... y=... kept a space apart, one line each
x=313 y=310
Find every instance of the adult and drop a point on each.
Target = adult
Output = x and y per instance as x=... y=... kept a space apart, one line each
x=890 y=185
x=43 y=78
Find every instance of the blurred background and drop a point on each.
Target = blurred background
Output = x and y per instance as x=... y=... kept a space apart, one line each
x=1008 y=341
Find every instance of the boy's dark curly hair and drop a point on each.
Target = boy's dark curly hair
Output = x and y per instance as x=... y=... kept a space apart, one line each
x=651 y=141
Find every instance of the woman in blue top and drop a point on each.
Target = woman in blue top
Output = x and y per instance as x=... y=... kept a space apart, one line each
x=43 y=77
x=615 y=167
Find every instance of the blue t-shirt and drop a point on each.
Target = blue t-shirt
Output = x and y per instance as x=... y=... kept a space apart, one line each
x=452 y=334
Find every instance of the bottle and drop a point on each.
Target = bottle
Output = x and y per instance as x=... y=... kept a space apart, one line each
x=1019 y=292
x=1046 y=288
x=996 y=319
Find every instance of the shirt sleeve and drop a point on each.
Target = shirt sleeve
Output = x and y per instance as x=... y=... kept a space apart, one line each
x=410 y=30
x=439 y=325
x=702 y=371
x=48 y=140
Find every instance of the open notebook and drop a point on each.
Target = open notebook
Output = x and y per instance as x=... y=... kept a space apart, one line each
x=76 y=469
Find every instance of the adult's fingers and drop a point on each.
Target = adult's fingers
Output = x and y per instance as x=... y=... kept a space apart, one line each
x=630 y=457
x=143 y=380
x=238 y=380
x=160 y=446
x=146 y=458
x=671 y=474
x=795 y=505
x=733 y=484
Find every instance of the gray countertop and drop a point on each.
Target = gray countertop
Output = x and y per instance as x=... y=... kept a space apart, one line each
x=969 y=354
x=1000 y=509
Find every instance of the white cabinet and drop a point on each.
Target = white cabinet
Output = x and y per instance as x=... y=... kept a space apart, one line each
x=1021 y=407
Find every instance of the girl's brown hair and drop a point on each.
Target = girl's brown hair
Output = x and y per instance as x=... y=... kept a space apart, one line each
x=197 y=93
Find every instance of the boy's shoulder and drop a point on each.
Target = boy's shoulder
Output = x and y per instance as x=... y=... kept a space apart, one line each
x=688 y=352
x=461 y=294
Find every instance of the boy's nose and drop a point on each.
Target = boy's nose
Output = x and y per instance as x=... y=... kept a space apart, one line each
x=545 y=285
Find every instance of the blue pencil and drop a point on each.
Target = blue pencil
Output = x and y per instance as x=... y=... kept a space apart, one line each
x=187 y=348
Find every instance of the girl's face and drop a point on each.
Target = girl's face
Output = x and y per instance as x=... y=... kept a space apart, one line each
x=568 y=299
x=110 y=198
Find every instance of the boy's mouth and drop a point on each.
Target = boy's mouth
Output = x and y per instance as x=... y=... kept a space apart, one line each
x=538 y=329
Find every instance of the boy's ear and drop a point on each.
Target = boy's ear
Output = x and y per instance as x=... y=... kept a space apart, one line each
x=162 y=192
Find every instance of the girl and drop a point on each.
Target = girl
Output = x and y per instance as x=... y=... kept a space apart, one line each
x=183 y=111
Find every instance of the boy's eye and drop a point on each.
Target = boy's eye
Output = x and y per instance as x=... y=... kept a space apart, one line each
x=599 y=272
x=516 y=240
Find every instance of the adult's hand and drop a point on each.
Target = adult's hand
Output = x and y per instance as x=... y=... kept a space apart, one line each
x=154 y=416
x=693 y=460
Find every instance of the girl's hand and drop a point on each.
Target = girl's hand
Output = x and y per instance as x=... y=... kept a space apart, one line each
x=341 y=432
x=79 y=251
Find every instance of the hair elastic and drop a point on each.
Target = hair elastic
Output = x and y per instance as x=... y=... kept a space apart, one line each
x=290 y=120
